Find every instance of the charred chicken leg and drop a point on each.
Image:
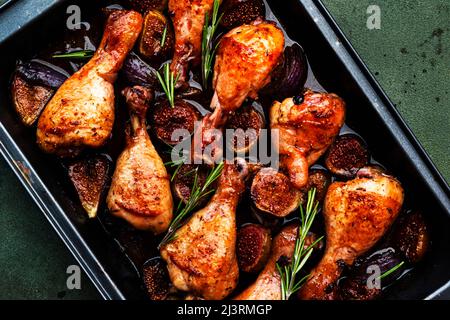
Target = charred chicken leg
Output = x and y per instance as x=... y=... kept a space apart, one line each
x=357 y=214
x=202 y=258
x=306 y=129
x=81 y=113
x=140 y=190
x=245 y=58
x=188 y=17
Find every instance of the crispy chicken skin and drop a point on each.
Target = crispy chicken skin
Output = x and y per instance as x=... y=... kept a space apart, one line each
x=306 y=130
x=140 y=189
x=202 y=258
x=245 y=58
x=81 y=113
x=268 y=284
x=357 y=214
x=188 y=17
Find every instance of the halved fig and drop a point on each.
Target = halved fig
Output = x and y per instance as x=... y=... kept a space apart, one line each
x=319 y=179
x=157 y=37
x=33 y=84
x=165 y=120
x=247 y=124
x=411 y=236
x=239 y=12
x=272 y=192
x=143 y=6
x=253 y=247
x=89 y=177
x=347 y=155
x=156 y=279
x=29 y=101
x=184 y=181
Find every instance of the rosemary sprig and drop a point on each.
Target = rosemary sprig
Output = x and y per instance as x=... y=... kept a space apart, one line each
x=208 y=49
x=168 y=81
x=177 y=164
x=197 y=193
x=174 y=164
x=81 y=54
x=289 y=272
x=164 y=37
x=392 y=270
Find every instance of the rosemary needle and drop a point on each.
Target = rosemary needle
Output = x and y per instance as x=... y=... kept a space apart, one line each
x=197 y=193
x=289 y=272
x=392 y=270
x=81 y=54
x=164 y=36
x=168 y=81
x=208 y=49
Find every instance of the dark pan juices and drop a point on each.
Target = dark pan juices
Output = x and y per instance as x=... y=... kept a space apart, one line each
x=141 y=247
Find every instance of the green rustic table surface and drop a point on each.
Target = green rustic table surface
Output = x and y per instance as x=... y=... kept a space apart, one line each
x=410 y=57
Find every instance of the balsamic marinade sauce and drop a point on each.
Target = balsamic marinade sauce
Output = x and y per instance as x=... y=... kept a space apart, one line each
x=141 y=247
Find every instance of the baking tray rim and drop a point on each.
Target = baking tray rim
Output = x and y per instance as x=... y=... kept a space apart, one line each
x=355 y=66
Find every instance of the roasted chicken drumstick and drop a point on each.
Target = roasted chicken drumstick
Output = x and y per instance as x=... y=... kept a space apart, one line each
x=306 y=128
x=81 y=113
x=357 y=214
x=202 y=258
x=188 y=17
x=245 y=58
x=140 y=190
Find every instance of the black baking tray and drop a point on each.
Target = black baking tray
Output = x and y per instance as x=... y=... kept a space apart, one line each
x=337 y=67
x=5 y=3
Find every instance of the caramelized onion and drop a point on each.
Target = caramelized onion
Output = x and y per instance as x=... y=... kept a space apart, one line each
x=289 y=77
x=40 y=73
x=136 y=72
